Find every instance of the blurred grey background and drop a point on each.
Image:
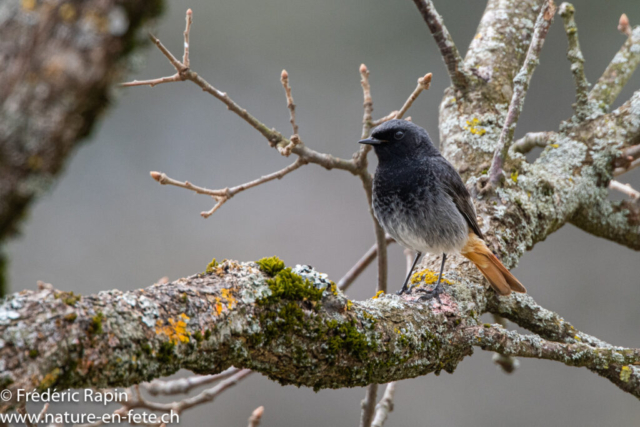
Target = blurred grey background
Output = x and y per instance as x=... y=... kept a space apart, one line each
x=107 y=224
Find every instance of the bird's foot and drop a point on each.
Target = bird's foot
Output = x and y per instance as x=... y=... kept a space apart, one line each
x=431 y=293
x=405 y=290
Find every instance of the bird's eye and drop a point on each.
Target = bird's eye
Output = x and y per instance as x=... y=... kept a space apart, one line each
x=398 y=135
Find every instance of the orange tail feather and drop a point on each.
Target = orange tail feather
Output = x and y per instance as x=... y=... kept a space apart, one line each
x=496 y=273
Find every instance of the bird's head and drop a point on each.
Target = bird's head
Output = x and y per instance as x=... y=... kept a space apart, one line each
x=400 y=139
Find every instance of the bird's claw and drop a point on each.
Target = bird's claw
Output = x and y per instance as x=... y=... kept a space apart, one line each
x=431 y=293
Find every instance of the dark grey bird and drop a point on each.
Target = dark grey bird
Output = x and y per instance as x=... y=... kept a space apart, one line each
x=420 y=200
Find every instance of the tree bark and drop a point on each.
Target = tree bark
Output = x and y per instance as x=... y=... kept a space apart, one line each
x=60 y=60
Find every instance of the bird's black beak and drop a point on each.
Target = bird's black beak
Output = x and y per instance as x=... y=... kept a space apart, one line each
x=371 y=141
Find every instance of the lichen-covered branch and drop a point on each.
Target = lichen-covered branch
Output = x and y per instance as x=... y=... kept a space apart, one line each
x=448 y=49
x=500 y=44
x=510 y=343
x=532 y=140
x=618 y=73
x=361 y=265
x=291 y=324
x=59 y=62
x=574 y=54
x=520 y=88
x=525 y=312
x=616 y=221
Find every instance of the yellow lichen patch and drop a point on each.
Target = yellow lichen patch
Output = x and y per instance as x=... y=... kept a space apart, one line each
x=28 y=4
x=625 y=374
x=514 y=176
x=377 y=294
x=218 y=307
x=577 y=338
x=349 y=304
x=427 y=276
x=35 y=162
x=175 y=330
x=333 y=289
x=51 y=378
x=67 y=12
x=228 y=297
x=554 y=145
x=472 y=126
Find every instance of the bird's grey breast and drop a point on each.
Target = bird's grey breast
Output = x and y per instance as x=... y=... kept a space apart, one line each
x=411 y=207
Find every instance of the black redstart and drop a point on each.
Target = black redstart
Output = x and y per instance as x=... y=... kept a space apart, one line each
x=421 y=201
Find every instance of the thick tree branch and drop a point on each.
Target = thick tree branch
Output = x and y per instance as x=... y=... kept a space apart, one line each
x=501 y=42
x=619 y=71
x=448 y=49
x=295 y=332
x=616 y=221
x=55 y=79
x=361 y=265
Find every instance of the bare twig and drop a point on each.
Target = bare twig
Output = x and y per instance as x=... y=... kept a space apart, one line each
x=508 y=363
x=618 y=72
x=391 y=115
x=274 y=137
x=448 y=50
x=521 y=85
x=368 y=101
x=187 y=31
x=423 y=84
x=22 y=410
x=284 y=78
x=256 y=416
x=385 y=406
x=625 y=189
x=185 y=385
x=369 y=405
x=630 y=159
x=360 y=266
x=574 y=54
x=221 y=196
x=178 y=407
x=634 y=164
x=532 y=140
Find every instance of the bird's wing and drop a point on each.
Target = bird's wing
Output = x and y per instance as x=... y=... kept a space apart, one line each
x=455 y=188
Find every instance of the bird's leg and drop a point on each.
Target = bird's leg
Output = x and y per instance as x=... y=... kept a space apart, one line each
x=438 y=289
x=406 y=281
